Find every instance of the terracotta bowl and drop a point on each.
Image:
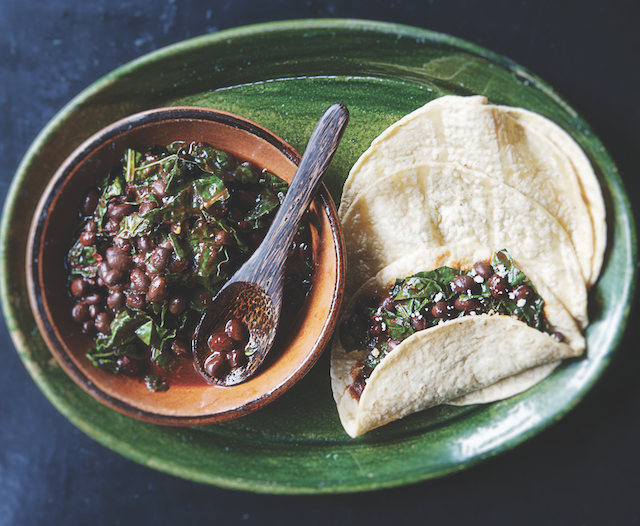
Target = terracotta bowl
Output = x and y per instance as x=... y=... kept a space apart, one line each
x=189 y=401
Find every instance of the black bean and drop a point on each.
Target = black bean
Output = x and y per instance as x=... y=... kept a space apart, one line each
x=158 y=289
x=484 y=270
x=118 y=211
x=523 y=292
x=419 y=323
x=94 y=310
x=111 y=226
x=497 y=285
x=463 y=283
x=118 y=259
x=151 y=271
x=160 y=258
x=90 y=202
x=177 y=304
x=146 y=207
x=136 y=301
x=392 y=344
x=122 y=243
x=466 y=305
x=91 y=226
x=236 y=330
x=177 y=265
x=103 y=323
x=113 y=277
x=116 y=299
x=387 y=303
x=159 y=188
x=145 y=243
x=220 y=341
x=224 y=238
x=80 y=312
x=442 y=309
x=87 y=238
x=139 y=280
x=93 y=299
x=214 y=365
x=138 y=260
x=79 y=287
x=103 y=268
x=375 y=326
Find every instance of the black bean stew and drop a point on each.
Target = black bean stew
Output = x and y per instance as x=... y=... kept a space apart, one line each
x=429 y=298
x=159 y=237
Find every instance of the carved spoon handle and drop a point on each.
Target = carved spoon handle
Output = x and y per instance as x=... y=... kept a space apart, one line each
x=315 y=161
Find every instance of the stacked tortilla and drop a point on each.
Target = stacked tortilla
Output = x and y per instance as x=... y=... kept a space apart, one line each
x=455 y=180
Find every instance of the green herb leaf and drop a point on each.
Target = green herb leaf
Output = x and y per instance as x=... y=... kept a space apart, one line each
x=134 y=225
x=503 y=263
x=210 y=190
x=155 y=384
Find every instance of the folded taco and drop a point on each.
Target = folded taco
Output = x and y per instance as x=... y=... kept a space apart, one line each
x=447 y=325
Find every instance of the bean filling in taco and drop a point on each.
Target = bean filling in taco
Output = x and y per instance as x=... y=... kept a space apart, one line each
x=426 y=299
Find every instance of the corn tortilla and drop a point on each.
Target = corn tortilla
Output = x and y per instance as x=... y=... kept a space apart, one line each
x=521 y=149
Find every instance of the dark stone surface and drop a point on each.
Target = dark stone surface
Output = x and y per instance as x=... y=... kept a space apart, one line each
x=581 y=471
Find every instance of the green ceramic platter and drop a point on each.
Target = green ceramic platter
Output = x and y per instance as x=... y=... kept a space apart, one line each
x=283 y=75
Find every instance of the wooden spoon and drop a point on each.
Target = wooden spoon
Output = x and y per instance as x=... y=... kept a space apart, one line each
x=253 y=295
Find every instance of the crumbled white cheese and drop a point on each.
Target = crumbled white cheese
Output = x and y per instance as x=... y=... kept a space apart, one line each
x=521 y=302
x=375 y=353
x=478 y=279
x=438 y=297
x=512 y=295
x=384 y=326
x=501 y=270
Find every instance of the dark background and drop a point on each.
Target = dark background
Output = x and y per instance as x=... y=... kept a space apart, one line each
x=582 y=471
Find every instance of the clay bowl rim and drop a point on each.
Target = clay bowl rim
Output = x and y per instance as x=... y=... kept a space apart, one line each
x=47 y=327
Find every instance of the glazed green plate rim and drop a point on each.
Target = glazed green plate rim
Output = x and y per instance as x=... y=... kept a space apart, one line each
x=622 y=222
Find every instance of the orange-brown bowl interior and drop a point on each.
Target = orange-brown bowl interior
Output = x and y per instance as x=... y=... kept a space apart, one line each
x=190 y=400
